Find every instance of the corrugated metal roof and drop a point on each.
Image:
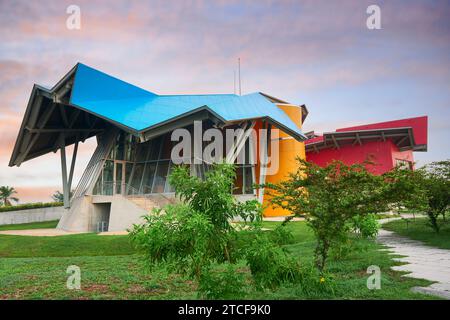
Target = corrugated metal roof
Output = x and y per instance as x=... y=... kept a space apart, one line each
x=140 y=109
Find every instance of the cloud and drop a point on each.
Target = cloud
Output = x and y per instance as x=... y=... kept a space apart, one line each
x=314 y=52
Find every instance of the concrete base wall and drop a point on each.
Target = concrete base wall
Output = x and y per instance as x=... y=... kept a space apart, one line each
x=87 y=212
x=31 y=215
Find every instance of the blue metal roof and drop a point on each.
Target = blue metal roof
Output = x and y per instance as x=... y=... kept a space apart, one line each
x=139 y=109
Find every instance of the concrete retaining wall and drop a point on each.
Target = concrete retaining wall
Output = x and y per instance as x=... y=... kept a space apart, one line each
x=31 y=215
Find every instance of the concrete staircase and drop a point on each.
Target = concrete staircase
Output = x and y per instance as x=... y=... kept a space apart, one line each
x=151 y=201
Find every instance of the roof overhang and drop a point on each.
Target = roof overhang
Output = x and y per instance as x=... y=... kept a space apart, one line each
x=52 y=117
x=402 y=137
x=275 y=100
x=48 y=118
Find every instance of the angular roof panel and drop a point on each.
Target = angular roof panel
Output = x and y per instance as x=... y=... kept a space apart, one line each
x=140 y=110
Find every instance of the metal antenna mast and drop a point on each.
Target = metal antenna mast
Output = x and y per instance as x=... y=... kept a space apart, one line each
x=234 y=81
x=239 y=75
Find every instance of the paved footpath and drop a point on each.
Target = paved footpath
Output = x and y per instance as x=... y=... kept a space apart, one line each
x=423 y=262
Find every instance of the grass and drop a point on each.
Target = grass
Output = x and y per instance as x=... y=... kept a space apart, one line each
x=33 y=225
x=35 y=268
x=418 y=229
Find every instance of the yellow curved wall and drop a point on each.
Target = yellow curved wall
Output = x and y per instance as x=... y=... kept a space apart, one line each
x=289 y=150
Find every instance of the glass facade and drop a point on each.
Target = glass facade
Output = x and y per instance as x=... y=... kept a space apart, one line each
x=143 y=168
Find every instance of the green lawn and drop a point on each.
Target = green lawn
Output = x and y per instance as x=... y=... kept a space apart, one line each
x=35 y=268
x=418 y=229
x=33 y=225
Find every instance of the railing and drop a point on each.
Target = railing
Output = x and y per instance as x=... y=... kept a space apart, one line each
x=95 y=164
x=109 y=188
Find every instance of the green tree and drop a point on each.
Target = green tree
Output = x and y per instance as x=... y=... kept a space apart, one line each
x=6 y=195
x=434 y=178
x=58 y=197
x=330 y=197
x=198 y=232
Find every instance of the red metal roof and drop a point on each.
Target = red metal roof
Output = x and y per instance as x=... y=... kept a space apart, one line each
x=418 y=126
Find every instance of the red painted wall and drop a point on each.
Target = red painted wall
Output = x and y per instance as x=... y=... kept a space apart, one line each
x=384 y=154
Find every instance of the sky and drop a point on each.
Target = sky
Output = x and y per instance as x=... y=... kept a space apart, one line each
x=317 y=53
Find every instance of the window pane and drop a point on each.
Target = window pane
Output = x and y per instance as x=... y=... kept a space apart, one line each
x=155 y=146
x=128 y=169
x=238 y=182
x=108 y=177
x=120 y=147
x=248 y=180
x=149 y=173
x=129 y=147
x=166 y=147
x=141 y=153
x=160 y=177
x=168 y=187
x=137 y=177
x=118 y=182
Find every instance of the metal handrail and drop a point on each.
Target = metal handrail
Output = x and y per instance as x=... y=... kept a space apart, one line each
x=129 y=191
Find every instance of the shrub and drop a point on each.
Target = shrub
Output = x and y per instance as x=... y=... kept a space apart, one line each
x=26 y=206
x=193 y=235
x=314 y=285
x=366 y=226
x=434 y=179
x=176 y=236
x=226 y=283
x=270 y=264
x=281 y=235
x=330 y=197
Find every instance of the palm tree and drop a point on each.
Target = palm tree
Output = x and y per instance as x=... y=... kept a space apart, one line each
x=58 y=196
x=6 y=195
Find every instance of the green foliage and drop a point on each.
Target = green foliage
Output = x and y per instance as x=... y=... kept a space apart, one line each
x=213 y=195
x=35 y=269
x=270 y=264
x=228 y=282
x=6 y=196
x=330 y=197
x=25 y=206
x=434 y=179
x=366 y=226
x=314 y=285
x=193 y=235
x=281 y=235
x=176 y=236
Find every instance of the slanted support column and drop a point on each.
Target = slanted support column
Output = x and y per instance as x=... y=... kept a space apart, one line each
x=72 y=166
x=264 y=159
x=66 y=189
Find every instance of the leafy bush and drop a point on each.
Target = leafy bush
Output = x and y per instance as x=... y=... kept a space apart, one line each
x=366 y=226
x=193 y=235
x=281 y=235
x=26 y=206
x=434 y=180
x=330 y=197
x=223 y=284
x=176 y=236
x=314 y=285
x=213 y=198
x=270 y=264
